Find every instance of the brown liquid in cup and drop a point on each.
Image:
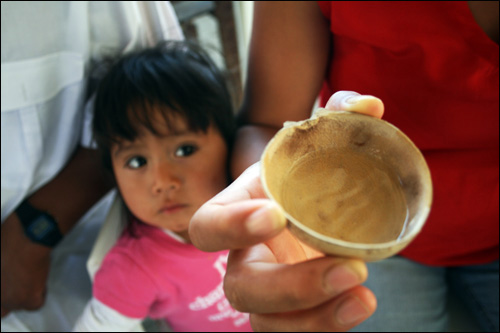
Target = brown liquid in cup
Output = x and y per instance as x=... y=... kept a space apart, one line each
x=356 y=197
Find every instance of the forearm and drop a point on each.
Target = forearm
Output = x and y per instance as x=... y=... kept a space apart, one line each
x=25 y=264
x=288 y=61
x=281 y=85
x=250 y=143
x=74 y=190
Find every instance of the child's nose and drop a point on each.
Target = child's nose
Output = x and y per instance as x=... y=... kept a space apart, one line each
x=165 y=179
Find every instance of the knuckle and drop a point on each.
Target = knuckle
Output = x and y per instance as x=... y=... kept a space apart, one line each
x=232 y=294
x=307 y=290
x=257 y=324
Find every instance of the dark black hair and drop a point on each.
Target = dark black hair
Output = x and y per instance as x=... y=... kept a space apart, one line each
x=173 y=77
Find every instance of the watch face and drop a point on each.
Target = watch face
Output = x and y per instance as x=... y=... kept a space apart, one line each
x=41 y=227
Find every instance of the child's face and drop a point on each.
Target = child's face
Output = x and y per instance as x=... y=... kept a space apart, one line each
x=165 y=179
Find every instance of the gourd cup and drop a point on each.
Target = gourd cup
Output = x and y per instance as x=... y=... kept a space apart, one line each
x=349 y=184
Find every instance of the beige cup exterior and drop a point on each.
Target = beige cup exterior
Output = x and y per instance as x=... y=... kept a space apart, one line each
x=347 y=131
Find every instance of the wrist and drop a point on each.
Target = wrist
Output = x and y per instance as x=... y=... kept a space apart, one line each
x=69 y=195
x=250 y=143
x=38 y=225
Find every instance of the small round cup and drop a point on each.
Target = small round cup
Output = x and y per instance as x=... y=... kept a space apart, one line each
x=349 y=184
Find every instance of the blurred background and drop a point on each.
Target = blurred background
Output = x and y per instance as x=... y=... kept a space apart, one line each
x=223 y=28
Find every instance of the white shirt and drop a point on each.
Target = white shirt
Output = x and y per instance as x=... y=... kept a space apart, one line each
x=46 y=51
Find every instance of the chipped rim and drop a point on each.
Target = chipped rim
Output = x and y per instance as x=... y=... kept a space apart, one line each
x=420 y=217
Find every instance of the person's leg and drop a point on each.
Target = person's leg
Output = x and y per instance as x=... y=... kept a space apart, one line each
x=477 y=286
x=411 y=297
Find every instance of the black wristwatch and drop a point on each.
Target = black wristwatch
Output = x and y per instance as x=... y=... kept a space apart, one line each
x=39 y=226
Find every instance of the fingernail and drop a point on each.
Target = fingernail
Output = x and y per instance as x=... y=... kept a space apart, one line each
x=354 y=99
x=359 y=99
x=265 y=220
x=340 y=278
x=365 y=104
x=351 y=311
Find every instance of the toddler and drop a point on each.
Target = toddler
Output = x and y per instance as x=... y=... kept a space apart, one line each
x=164 y=124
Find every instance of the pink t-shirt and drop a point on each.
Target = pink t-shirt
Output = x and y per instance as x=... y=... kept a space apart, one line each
x=154 y=275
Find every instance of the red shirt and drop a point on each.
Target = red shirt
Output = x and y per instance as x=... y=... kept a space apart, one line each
x=437 y=73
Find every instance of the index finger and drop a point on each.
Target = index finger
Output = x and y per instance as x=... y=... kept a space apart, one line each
x=238 y=217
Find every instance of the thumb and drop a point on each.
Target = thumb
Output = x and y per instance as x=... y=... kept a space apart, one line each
x=238 y=217
x=352 y=101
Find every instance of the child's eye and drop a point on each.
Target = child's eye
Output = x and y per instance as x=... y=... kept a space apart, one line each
x=185 y=150
x=136 y=162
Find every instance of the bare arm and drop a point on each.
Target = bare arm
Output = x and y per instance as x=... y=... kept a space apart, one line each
x=289 y=54
x=270 y=274
x=279 y=282
x=25 y=265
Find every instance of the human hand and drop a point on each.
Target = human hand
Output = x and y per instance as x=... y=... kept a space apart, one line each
x=283 y=284
x=24 y=269
x=352 y=101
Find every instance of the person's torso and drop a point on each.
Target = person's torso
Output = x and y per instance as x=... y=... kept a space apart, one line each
x=437 y=73
x=164 y=278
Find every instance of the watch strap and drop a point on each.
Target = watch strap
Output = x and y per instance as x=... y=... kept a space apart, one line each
x=38 y=226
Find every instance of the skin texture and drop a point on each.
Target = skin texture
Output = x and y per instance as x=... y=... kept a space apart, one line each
x=25 y=265
x=165 y=179
x=280 y=281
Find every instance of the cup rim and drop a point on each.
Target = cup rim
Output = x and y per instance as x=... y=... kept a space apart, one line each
x=418 y=221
